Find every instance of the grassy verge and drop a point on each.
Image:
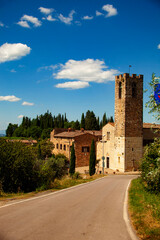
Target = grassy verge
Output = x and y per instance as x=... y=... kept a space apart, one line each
x=63 y=183
x=144 y=208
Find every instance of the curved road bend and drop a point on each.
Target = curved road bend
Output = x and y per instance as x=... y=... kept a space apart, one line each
x=89 y=212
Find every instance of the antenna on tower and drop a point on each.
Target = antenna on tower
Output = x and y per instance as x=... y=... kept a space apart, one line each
x=129 y=68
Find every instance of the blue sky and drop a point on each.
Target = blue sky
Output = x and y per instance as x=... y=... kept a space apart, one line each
x=63 y=55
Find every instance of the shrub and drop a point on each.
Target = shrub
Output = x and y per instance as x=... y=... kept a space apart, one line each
x=92 y=160
x=150 y=166
x=72 y=161
x=17 y=167
x=51 y=169
x=76 y=175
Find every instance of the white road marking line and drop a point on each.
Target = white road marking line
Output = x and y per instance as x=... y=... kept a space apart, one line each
x=126 y=217
x=49 y=194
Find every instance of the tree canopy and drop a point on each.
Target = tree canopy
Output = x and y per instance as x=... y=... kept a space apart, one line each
x=41 y=126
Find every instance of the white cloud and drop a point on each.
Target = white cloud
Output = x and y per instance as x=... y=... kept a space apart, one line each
x=10 y=52
x=46 y=11
x=13 y=71
x=110 y=10
x=73 y=85
x=31 y=19
x=49 y=18
x=87 y=18
x=158 y=46
x=27 y=104
x=11 y=98
x=67 y=20
x=99 y=13
x=1 y=24
x=88 y=70
x=78 y=23
x=20 y=116
x=51 y=67
x=23 y=24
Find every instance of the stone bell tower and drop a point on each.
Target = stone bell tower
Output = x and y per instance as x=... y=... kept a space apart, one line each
x=128 y=121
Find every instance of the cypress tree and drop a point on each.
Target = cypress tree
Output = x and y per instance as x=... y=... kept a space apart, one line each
x=83 y=121
x=39 y=152
x=72 y=161
x=92 y=160
x=104 y=121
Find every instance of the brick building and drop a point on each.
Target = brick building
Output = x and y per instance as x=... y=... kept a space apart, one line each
x=63 y=139
x=122 y=142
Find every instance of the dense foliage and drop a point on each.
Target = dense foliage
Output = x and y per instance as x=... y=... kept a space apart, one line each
x=26 y=168
x=151 y=160
x=72 y=160
x=41 y=126
x=151 y=166
x=92 y=160
x=154 y=108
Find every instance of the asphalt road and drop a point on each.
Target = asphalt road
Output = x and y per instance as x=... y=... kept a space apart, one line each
x=90 y=212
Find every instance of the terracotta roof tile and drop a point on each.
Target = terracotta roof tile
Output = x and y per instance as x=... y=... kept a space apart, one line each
x=151 y=125
x=76 y=133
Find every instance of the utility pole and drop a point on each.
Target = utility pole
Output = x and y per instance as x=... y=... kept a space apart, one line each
x=103 y=141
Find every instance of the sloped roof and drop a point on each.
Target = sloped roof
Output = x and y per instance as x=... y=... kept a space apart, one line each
x=145 y=125
x=72 y=134
x=111 y=123
x=151 y=125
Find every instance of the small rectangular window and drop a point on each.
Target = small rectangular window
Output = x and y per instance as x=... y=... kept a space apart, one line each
x=60 y=146
x=108 y=135
x=119 y=159
x=64 y=147
x=85 y=149
x=120 y=90
x=57 y=146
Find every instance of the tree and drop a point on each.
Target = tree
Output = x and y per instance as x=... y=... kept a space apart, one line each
x=98 y=123
x=111 y=119
x=90 y=121
x=76 y=125
x=152 y=104
x=10 y=129
x=39 y=152
x=34 y=132
x=92 y=160
x=17 y=167
x=46 y=133
x=83 y=121
x=150 y=167
x=104 y=121
x=72 y=161
x=46 y=148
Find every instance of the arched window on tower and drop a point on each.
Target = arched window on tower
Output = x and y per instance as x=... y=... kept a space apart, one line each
x=134 y=90
x=120 y=89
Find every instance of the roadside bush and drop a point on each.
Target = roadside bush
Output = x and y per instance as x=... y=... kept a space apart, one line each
x=46 y=148
x=150 y=166
x=17 y=167
x=76 y=175
x=49 y=170
x=21 y=170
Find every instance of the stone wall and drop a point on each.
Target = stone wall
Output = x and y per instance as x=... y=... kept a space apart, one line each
x=108 y=146
x=128 y=121
x=85 y=140
x=62 y=142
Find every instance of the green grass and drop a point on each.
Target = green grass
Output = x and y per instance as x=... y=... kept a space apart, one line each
x=144 y=208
